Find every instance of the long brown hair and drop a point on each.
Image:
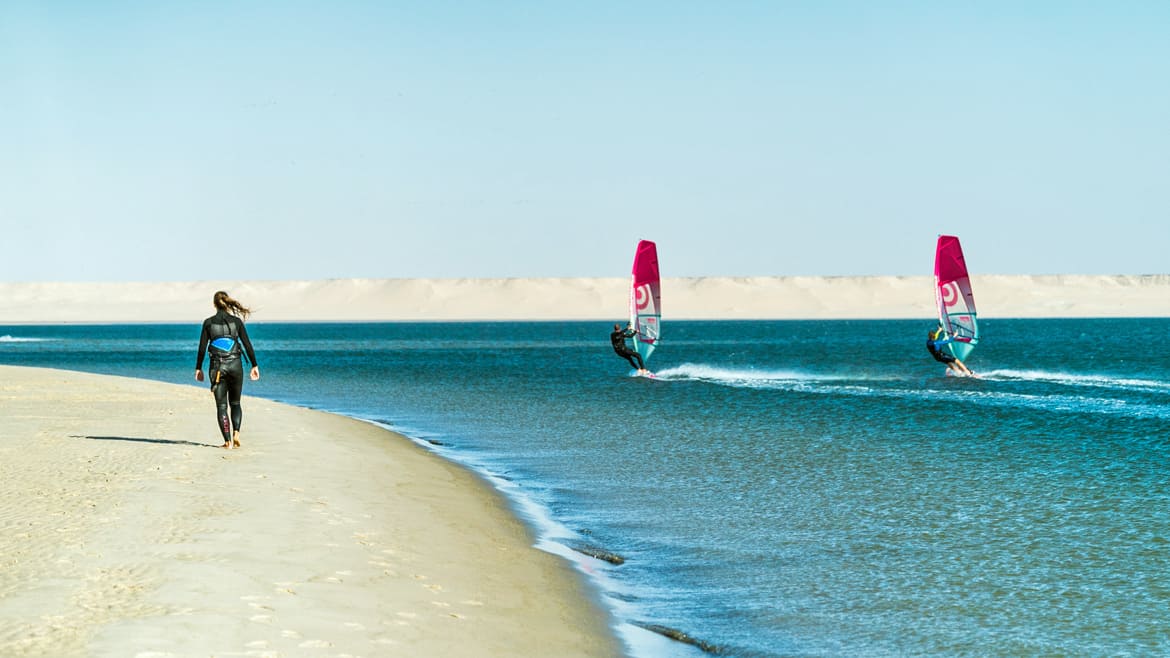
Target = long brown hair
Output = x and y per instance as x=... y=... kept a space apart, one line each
x=224 y=302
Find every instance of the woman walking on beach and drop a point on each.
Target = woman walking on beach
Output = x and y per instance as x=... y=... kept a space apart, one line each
x=226 y=338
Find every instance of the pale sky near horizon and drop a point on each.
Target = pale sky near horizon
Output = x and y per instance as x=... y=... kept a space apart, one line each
x=144 y=141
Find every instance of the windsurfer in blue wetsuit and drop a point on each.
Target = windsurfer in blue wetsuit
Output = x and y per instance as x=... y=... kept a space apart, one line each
x=618 y=339
x=935 y=340
x=225 y=337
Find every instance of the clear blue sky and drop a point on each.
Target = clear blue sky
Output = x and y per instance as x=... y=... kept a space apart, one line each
x=148 y=141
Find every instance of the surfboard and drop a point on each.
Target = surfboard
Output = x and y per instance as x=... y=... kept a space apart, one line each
x=956 y=302
x=646 y=299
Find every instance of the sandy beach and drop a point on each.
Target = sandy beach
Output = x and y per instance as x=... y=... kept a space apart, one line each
x=793 y=297
x=126 y=531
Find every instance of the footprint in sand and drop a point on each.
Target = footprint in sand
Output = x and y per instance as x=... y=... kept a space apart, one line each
x=285 y=588
x=386 y=567
x=315 y=644
x=290 y=634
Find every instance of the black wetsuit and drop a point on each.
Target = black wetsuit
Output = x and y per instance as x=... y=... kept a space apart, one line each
x=932 y=344
x=226 y=368
x=618 y=338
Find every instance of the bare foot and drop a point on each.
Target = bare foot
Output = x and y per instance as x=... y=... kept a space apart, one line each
x=227 y=445
x=236 y=439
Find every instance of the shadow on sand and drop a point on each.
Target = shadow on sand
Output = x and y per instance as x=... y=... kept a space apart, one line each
x=137 y=439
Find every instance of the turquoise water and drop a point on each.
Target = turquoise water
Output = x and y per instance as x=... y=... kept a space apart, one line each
x=783 y=488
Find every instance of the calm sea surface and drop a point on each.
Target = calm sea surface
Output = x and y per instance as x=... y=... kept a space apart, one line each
x=783 y=488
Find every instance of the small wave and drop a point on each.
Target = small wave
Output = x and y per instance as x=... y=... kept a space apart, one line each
x=1054 y=403
x=21 y=339
x=1070 y=379
x=1065 y=403
x=553 y=536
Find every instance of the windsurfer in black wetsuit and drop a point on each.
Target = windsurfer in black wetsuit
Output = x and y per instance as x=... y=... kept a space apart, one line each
x=225 y=337
x=618 y=339
x=934 y=342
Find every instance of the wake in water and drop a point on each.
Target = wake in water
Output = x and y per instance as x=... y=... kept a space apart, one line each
x=1086 y=380
x=976 y=393
x=745 y=377
x=19 y=339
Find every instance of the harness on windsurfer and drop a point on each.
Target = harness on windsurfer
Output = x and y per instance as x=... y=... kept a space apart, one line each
x=935 y=340
x=618 y=339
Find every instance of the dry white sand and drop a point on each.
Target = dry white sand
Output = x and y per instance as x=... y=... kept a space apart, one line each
x=126 y=532
x=795 y=297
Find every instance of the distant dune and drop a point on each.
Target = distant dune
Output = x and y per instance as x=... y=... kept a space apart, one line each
x=786 y=297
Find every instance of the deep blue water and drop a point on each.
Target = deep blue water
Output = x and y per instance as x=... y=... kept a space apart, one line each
x=783 y=488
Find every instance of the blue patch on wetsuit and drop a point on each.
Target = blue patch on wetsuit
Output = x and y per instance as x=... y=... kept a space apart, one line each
x=223 y=343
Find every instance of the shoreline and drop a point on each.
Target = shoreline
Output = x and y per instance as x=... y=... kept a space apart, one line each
x=127 y=529
x=536 y=299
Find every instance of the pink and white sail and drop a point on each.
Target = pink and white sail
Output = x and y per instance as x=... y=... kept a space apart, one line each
x=646 y=298
x=956 y=304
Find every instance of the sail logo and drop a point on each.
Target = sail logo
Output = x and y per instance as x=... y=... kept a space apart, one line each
x=642 y=296
x=950 y=294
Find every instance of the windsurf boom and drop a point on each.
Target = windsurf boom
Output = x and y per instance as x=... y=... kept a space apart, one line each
x=956 y=304
x=646 y=299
